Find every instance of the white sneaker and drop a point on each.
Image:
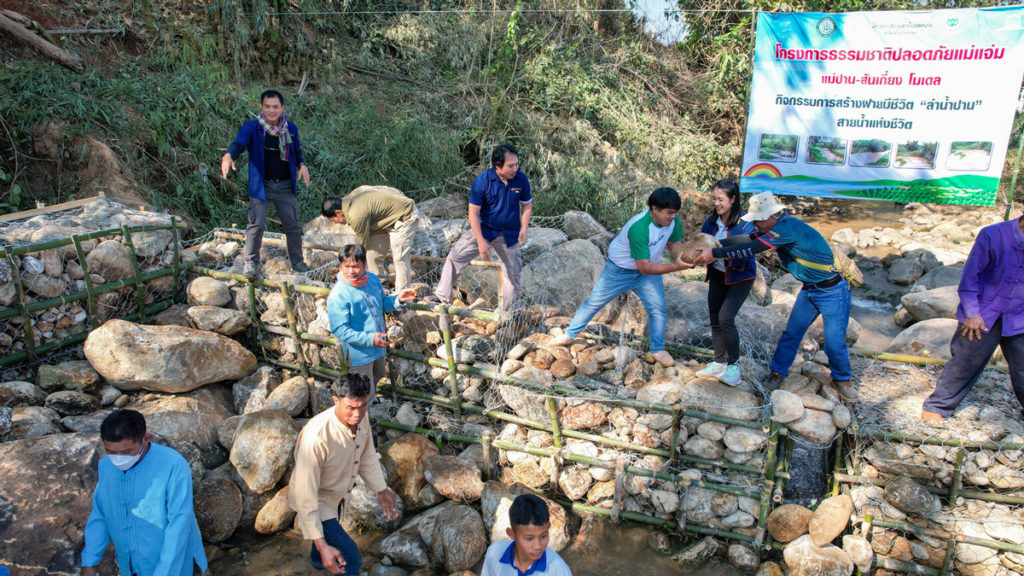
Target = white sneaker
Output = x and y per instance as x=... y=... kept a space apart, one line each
x=731 y=376
x=562 y=340
x=712 y=370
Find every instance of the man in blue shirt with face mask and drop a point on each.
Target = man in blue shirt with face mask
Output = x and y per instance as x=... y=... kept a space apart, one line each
x=143 y=503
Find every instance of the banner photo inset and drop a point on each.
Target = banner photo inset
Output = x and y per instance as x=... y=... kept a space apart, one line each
x=902 y=106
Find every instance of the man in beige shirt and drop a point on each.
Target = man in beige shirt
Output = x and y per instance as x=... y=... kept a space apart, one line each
x=373 y=212
x=332 y=448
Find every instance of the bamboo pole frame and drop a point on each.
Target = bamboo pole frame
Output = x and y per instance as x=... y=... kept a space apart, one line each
x=140 y=290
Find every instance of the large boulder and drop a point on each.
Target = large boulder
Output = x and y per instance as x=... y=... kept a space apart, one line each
x=220 y=320
x=72 y=403
x=458 y=540
x=70 y=375
x=218 y=505
x=581 y=225
x=111 y=260
x=17 y=393
x=563 y=277
x=292 y=396
x=410 y=546
x=927 y=338
x=911 y=497
x=830 y=519
x=262 y=448
x=804 y=558
x=364 y=511
x=788 y=522
x=276 y=515
x=494 y=505
x=192 y=418
x=815 y=425
x=164 y=358
x=45 y=499
x=936 y=303
x=721 y=399
x=539 y=240
x=403 y=462
x=941 y=276
x=33 y=422
x=453 y=478
x=206 y=291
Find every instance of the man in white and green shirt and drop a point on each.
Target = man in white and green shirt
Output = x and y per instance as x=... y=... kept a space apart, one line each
x=634 y=263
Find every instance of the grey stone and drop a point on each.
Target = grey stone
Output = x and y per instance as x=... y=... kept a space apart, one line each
x=804 y=558
x=941 y=276
x=698 y=553
x=220 y=320
x=218 y=507
x=740 y=439
x=786 y=406
x=72 y=403
x=936 y=303
x=70 y=375
x=815 y=426
x=206 y=291
x=33 y=422
x=291 y=397
x=164 y=358
x=453 y=478
x=458 y=540
x=188 y=418
x=743 y=558
x=17 y=393
x=928 y=338
x=365 y=512
x=262 y=449
x=581 y=225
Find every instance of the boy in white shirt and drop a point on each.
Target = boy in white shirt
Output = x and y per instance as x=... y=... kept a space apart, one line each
x=527 y=553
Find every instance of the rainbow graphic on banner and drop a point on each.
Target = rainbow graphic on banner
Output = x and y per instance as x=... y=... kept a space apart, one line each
x=762 y=170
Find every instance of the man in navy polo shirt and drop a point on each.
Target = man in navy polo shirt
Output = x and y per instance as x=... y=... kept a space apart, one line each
x=808 y=257
x=499 y=214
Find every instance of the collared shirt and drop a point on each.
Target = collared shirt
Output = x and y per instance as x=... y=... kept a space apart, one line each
x=804 y=252
x=356 y=315
x=642 y=239
x=251 y=137
x=499 y=204
x=992 y=283
x=147 y=512
x=500 y=561
x=328 y=455
x=370 y=209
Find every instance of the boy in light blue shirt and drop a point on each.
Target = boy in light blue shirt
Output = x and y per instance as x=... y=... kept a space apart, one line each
x=527 y=553
x=143 y=502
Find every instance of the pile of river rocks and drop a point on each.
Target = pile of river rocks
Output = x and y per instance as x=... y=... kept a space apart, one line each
x=56 y=272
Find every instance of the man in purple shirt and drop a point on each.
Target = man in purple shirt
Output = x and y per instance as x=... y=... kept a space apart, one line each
x=991 y=313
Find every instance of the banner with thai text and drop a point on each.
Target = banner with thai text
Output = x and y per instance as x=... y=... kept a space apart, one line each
x=912 y=106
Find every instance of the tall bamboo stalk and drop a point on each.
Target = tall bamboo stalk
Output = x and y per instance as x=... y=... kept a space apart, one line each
x=26 y=319
x=293 y=323
x=94 y=321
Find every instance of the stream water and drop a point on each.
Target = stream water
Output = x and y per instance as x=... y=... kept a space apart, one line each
x=607 y=550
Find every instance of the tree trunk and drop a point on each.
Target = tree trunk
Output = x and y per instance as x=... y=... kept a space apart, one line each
x=55 y=53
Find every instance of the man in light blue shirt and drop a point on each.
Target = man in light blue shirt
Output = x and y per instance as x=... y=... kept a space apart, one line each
x=143 y=502
x=355 y=310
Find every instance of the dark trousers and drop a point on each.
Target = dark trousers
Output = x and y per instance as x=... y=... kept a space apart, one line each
x=338 y=538
x=283 y=197
x=724 y=301
x=969 y=360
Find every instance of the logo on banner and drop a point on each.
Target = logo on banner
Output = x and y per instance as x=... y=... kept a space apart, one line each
x=827 y=26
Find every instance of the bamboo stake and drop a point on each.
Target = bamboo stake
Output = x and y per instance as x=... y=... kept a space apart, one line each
x=676 y=421
x=94 y=320
x=945 y=442
x=985 y=496
x=289 y=309
x=140 y=290
x=767 y=485
x=909 y=567
x=453 y=382
x=556 y=427
x=947 y=560
x=958 y=472
x=485 y=440
x=26 y=319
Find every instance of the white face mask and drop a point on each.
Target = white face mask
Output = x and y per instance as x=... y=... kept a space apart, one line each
x=123 y=462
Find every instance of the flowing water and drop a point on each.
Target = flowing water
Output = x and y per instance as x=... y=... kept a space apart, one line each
x=604 y=550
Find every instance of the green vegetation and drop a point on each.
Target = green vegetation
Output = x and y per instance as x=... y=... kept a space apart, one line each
x=968 y=146
x=601 y=114
x=826 y=150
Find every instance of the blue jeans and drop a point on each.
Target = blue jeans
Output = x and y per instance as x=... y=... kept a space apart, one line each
x=614 y=281
x=338 y=538
x=833 y=303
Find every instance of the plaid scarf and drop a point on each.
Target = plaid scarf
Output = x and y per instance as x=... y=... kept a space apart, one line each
x=281 y=131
